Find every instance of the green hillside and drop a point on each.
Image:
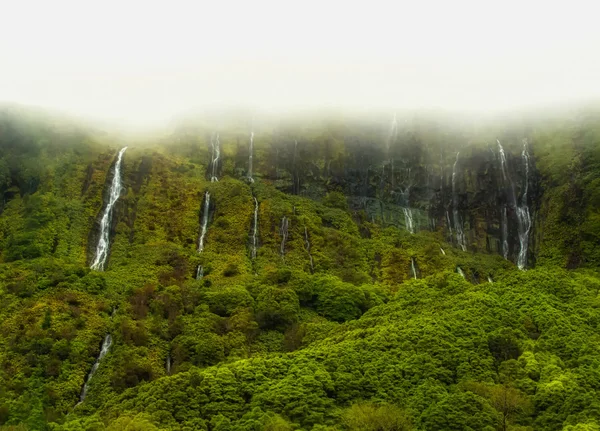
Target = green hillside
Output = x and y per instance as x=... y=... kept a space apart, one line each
x=358 y=309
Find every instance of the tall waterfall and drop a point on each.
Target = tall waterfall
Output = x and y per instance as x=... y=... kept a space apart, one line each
x=103 y=351
x=408 y=216
x=449 y=223
x=408 y=219
x=521 y=208
x=255 y=230
x=413 y=268
x=504 y=232
x=458 y=228
x=307 y=247
x=199 y=272
x=250 y=157
x=283 y=231
x=169 y=364
x=523 y=215
x=461 y=272
x=204 y=227
x=216 y=155
x=104 y=241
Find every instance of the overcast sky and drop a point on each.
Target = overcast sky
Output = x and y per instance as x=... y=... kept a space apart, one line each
x=140 y=63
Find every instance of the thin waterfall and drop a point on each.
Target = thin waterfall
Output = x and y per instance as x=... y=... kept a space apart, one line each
x=413 y=268
x=523 y=213
x=461 y=272
x=307 y=247
x=442 y=250
x=204 y=226
x=490 y=279
x=169 y=364
x=408 y=219
x=449 y=223
x=105 y=223
x=216 y=155
x=250 y=157
x=458 y=228
x=103 y=351
x=408 y=216
x=199 y=272
x=521 y=208
x=255 y=230
x=504 y=232
x=283 y=231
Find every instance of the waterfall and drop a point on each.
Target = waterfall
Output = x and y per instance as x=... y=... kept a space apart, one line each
x=442 y=250
x=412 y=267
x=461 y=272
x=449 y=223
x=204 y=227
x=408 y=216
x=521 y=208
x=199 y=272
x=250 y=157
x=103 y=351
x=216 y=154
x=283 y=231
x=307 y=247
x=523 y=214
x=255 y=230
x=169 y=364
x=458 y=228
x=105 y=223
x=490 y=279
x=504 y=232
x=408 y=219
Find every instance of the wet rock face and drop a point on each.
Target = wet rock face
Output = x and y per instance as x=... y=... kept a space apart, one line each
x=379 y=182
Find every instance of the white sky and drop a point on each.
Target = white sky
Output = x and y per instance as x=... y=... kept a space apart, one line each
x=139 y=63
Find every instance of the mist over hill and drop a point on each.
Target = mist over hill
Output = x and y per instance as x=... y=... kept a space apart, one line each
x=324 y=270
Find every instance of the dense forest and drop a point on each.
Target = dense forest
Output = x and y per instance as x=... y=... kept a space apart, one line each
x=327 y=273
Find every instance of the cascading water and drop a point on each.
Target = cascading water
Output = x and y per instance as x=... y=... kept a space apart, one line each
x=250 y=157
x=523 y=214
x=413 y=268
x=103 y=351
x=204 y=227
x=283 y=231
x=408 y=215
x=458 y=228
x=255 y=230
x=169 y=364
x=461 y=272
x=442 y=250
x=408 y=219
x=216 y=155
x=504 y=232
x=199 y=272
x=104 y=241
x=490 y=279
x=449 y=223
x=307 y=247
x=521 y=209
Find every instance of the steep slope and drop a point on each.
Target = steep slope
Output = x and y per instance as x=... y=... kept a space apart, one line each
x=301 y=309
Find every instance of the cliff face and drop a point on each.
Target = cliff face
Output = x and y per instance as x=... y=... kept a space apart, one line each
x=399 y=178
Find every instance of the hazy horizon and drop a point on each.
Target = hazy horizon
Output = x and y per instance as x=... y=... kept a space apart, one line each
x=140 y=65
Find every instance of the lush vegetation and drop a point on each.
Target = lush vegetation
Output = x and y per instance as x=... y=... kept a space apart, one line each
x=335 y=336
